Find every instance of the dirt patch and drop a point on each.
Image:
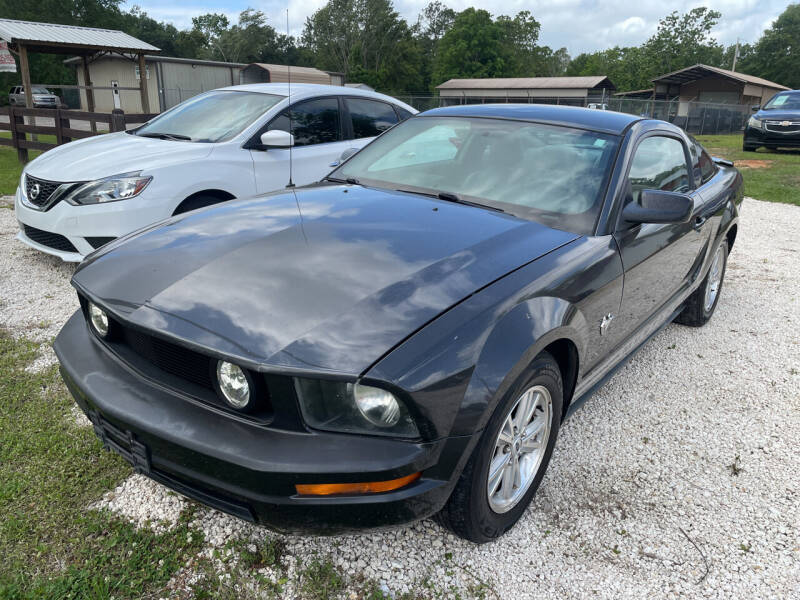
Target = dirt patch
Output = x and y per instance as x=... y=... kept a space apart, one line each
x=754 y=164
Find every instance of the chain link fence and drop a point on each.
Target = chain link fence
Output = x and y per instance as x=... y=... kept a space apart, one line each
x=695 y=117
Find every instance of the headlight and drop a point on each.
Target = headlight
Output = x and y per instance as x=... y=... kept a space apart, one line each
x=234 y=385
x=110 y=189
x=755 y=123
x=99 y=319
x=353 y=408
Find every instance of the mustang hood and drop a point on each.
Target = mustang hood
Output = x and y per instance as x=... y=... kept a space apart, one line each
x=112 y=154
x=328 y=279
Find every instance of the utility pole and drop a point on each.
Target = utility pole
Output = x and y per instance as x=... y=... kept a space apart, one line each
x=735 y=55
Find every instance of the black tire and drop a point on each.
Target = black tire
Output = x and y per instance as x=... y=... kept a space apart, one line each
x=196 y=202
x=695 y=313
x=749 y=147
x=467 y=512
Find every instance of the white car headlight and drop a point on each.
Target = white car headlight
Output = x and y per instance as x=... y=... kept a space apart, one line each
x=755 y=123
x=110 y=189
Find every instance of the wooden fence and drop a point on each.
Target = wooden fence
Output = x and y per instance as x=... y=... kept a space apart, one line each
x=62 y=128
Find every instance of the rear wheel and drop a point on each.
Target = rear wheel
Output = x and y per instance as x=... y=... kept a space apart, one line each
x=703 y=301
x=509 y=462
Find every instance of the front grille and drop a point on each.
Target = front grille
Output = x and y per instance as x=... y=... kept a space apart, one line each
x=96 y=242
x=49 y=239
x=779 y=127
x=169 y=357
x=38 y=191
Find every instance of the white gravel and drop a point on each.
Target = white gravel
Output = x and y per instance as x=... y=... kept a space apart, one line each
x=641 y=498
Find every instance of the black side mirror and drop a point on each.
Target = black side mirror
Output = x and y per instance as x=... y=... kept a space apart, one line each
x=657 y=206
x=755 y=107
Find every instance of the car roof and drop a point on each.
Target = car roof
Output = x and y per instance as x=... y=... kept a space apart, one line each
x=304 y=90
x=605 y=121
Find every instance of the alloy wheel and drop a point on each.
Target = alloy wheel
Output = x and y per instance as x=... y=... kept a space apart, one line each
x=519 y=448
x=714 y=279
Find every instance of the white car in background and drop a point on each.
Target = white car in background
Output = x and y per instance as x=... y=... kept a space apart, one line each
x=227 y=143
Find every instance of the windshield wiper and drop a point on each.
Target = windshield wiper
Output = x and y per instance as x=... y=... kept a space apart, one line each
x=351 y=180
x=450 y=197
x=167 y=136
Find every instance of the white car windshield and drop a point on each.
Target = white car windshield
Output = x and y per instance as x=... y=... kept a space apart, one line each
x=552 y=174
x=40 y=90
x=211 y=117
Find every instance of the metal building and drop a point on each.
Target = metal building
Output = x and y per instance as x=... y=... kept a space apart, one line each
x=266 y=73
x=170 y=80
x=561 y=90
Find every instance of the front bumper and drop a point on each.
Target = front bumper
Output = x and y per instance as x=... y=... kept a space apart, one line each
x=79 y=224
x=761 y=137
x=249 y=469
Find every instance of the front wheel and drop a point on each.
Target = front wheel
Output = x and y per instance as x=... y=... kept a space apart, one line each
x=749 y=147
x=703 y=301
x=509 y=462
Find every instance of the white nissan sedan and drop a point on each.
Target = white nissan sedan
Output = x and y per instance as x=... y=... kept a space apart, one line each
x=227 y=143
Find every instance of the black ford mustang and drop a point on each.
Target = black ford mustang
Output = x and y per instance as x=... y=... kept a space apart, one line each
x=406 y=337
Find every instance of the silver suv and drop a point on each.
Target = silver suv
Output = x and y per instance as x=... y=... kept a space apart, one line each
x=42 y=97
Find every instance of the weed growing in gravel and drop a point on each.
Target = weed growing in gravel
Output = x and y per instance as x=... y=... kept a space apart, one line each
x=51 y=546
x=734 y=467
x=320 y=580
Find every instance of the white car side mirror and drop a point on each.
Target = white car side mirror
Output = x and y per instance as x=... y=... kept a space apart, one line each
x=277 y=138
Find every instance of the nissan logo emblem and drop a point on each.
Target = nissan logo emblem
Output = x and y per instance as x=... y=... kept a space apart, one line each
x=35 y=190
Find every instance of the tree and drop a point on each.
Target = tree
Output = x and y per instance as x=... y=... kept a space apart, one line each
x=550 y=63
x=682 y=41
x=776 y=56
x=367 y=41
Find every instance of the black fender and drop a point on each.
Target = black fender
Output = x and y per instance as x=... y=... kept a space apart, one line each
x=457 y=367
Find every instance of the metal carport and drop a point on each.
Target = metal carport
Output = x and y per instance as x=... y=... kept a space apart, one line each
x=86 y=42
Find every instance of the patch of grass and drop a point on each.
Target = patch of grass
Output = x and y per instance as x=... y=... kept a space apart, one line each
x=11 y=168
x=320 y=580
x=51 y=545
x=267 y=554
x=776 y=181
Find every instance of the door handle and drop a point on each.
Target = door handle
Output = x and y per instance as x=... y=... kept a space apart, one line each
x=699 y=222
x=334 y=164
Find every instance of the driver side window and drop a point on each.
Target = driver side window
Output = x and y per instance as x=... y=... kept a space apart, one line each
x=659 y=164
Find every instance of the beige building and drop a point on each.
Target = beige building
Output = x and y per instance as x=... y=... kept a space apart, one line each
x=266 y=73
x=172 y=80
x=561 y=90
x=703 y=83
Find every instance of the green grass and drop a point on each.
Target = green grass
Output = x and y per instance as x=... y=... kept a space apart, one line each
x=10 y=167
x=774 y=176
x=51 y=544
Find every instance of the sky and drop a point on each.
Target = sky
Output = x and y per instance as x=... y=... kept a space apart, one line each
x=579 y=25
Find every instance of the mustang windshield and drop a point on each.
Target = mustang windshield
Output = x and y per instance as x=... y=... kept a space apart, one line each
x=212 y=117
x=552 y=174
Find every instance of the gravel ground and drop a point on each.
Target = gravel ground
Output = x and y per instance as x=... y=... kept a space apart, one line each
x=679 y=478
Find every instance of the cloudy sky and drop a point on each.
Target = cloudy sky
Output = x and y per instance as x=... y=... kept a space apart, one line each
x=580 y=25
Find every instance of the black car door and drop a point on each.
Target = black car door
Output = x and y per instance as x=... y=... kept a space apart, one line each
x=659 y=260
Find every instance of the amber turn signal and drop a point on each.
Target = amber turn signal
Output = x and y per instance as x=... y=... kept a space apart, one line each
x=367 y=487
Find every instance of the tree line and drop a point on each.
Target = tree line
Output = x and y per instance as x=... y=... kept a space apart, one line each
x=371 y=43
